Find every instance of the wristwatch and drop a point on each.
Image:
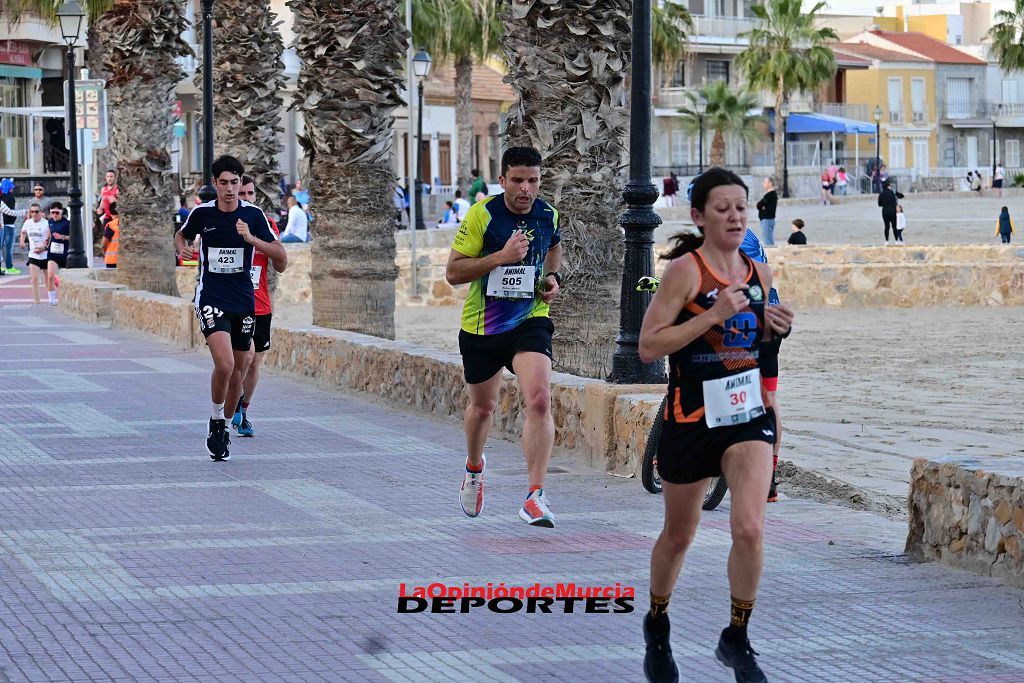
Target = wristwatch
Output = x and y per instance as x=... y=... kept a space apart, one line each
x=558 y=278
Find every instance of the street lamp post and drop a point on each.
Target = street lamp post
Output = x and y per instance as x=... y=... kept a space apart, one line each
x=701 y=107
x=207 y=193
x=783 y=115
x=878 y=148
x=70 y=16
x=995 y=146
x=421 y=67
x=640 y=219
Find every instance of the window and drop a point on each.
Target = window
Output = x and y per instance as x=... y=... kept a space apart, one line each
x=679 y=74
x=917 y=100
x=897 y=154
x=13 y=127
x=895 y=93
x=958 y=98
x=717 y=70
x=1012 y=157
x=921 y=156
x=679 y=154
x=1010 y=93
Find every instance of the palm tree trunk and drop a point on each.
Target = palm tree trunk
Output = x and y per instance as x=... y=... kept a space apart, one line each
x=353 y=54
x=143 y=39
x=571 y=106
x=95 y=60
x=718 y=149
x=248 y=80
x=780 y=139
x=464 y=119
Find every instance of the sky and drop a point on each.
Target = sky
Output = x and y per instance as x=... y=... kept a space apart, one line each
x=865 y=7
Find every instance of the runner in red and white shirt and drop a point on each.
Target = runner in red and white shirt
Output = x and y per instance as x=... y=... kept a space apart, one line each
x=264 y=313
x=108 y=193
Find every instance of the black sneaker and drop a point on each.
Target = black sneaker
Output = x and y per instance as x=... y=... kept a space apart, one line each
x=659 y=665
x=217 y=441
x=740 y=657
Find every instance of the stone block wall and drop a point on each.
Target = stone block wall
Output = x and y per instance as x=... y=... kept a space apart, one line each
x=969 y=513
x=167 y=317
x=84 y=298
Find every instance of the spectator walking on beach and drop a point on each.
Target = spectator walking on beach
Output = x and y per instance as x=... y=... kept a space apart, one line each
x=826 y=189
x=901 y=223
x=841 y=182
x=670 y=186
x=997 y=180
x=977 y=182
x=1004 y=227
x=887 y=200
x=766 y=212
x=797 y=235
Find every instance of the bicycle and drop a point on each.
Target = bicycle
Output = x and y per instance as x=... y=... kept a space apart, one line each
x=649 y=465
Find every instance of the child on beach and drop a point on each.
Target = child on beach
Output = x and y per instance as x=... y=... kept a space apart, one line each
x=1004 y=226
x=797 y=236
x=901 y=223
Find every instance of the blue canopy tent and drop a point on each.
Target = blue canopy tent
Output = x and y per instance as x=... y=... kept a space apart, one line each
x=818 y=124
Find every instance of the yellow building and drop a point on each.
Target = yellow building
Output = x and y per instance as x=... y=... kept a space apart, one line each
x=903 y=86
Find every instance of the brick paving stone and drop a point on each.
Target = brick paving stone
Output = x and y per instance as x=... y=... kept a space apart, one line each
x=125 y=554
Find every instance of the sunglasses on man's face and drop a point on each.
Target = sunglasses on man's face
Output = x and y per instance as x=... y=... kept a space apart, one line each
x=37 y=189
x=55 y=213
x=32 y=211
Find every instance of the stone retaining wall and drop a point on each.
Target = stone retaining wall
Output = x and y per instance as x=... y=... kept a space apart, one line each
x=808 y=277
x=969 y=513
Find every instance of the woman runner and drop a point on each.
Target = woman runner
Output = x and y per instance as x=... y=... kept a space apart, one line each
x=709 y=317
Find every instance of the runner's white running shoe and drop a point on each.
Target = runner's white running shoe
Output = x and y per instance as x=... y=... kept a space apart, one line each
x=535 y=511
x=471 y=496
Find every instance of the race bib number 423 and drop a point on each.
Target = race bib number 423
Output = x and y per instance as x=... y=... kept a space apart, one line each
x=512 y=282
x=226 y=260
x=733 y=400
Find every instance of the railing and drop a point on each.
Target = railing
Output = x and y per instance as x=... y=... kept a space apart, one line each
x=673 y=98
x=982 y=109
x=721 y=27
x=857 y=112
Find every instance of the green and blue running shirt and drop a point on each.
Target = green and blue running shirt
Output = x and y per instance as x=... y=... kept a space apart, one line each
x=485 y=230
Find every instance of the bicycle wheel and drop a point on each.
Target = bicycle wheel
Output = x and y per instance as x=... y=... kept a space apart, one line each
x=715 y=494
x=649 y=466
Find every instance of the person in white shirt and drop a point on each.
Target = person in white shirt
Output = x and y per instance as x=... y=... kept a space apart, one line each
x=461 y=206
x=36 y=230
x=298 y=224
x=997 y=180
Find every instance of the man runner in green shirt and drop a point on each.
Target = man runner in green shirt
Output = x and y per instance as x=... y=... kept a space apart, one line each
x=508 y=249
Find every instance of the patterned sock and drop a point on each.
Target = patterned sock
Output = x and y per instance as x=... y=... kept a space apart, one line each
x=740 y=617
x=659 y=604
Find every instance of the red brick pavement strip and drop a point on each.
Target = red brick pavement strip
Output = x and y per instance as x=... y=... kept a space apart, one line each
x=17 y=289
x=125 y=554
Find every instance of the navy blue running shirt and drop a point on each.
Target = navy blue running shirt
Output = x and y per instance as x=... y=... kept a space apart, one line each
x=224 y=257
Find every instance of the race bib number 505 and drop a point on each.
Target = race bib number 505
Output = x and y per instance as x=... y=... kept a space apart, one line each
x=512 y=282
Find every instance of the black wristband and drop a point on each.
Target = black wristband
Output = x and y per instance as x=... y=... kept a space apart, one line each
x=554 y=274
x=783 y=336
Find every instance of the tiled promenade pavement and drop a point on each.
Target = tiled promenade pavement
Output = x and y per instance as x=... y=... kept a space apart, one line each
x=125 y=554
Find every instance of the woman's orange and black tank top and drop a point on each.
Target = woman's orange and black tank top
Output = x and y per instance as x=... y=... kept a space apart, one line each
x=724 y=350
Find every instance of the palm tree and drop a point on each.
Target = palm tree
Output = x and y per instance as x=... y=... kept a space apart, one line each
x=1008 y=37
x=787 y=53
x=458 y=31
x=353 y=57
x=571 y=99
x=142 y=42
x=728 y=111
x=248 y=79
x=671 y=24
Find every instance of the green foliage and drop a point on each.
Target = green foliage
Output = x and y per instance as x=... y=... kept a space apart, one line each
x=1018 y=179
x=1008 y=37
x=671 y=24
x=787 y=51
x=452 y=29
x=728 y=111
x=16 y=10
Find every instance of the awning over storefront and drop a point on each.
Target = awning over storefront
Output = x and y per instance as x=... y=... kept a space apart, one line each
x=9 y=71
x=823 y=123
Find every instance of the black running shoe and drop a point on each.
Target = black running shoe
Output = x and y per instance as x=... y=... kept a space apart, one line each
x=741 y=658
x=659 y=665
x=218 y=441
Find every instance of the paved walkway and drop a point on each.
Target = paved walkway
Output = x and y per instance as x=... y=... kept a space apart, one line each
x=126 y=554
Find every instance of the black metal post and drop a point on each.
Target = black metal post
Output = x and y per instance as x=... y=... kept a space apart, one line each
x=640 y=219
x=876 y=185
x=785 y=161
x=207 y=193
x=995 y=148
x=76 y=250
x=700 y=144
x=420 y=225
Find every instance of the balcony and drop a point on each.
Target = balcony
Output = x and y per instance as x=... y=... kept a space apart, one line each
x=981 y=113
x=718 y=30
x=856 y=112
x=895 y=116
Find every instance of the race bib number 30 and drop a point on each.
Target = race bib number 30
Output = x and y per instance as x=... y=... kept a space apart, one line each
x=733 y=400
x=512 y=282
x=226 y=260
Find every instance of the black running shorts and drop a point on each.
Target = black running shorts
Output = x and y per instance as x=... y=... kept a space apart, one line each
x=261 y=333
x=692 y=451
x=37 y=262
x=238 y=325
x=484 y=355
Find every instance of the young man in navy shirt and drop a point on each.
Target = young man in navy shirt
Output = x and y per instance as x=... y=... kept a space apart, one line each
x=229 y=231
